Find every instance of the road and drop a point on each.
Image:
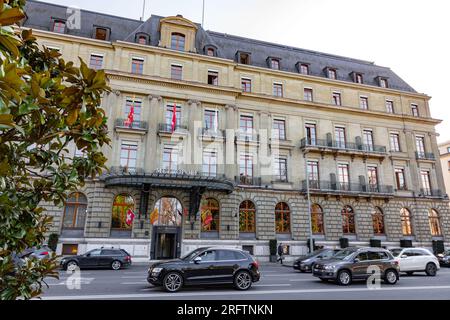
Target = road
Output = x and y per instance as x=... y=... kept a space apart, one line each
x=277 y=282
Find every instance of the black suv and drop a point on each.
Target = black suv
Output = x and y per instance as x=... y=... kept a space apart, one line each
x=357 y=264
x=205 y=266
x=98 y=258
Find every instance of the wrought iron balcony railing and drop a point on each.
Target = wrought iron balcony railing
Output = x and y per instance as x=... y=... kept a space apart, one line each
x=349 y=146
x=335 y=186
x=247 y=136
x=248 y=180
x=210 y=132
x=167 y=127
x=425 y=155
x=138 y=125
x=432 y=192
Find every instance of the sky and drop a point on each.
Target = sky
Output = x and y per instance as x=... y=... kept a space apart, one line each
x=409 y=36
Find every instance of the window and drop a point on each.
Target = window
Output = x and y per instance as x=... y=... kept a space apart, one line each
x=435 y=224
x=304 y=68
x=246 y=85
x=280 y=169
x=101 y=33
x=336 y=99
x=176 y=72
x=368 y=140
x=170 y=159
x=339 y=136
x=317 y=219
x=415 y=110
x=75 y=211
x=313 y=174
x=310 y=133
x=210 y=215
x=343 y=176
x=244 y=58
x=277 y=89
x=246 y=125
x=122 y=203
x=400 y=178
x=59 y=26
x=383 y=83
x=210 y=52
x=246 y=168
x=96 y=61
x=213 y=78
x=275 y=64
x=137 y=106
x=389 y=106
x=358 y=78
x=308 y=94
x=331 y=73
x=378 y=221
x=69 y=249
x=448 y=149
x=420 y=146
x=364 y=103
x=395 y=142
x=177 y=42
x=167 y=212
x=372 y=174
x=247 y=213
x=425 y=180
x=169 y=115
x=142 y=40
x=406 y=220
x=279 y=129
x=128 y=154
x=137 y=65
x=209 y=163
x=211 y=119
x=282 y=218
x=348 y=220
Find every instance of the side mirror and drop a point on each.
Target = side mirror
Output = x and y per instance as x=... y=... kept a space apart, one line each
x=404 y=256
x=88 y=254
x=197 y=260
x=356 y=260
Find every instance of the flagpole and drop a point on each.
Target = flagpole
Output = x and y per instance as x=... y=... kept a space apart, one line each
x=203 y=14
x=311 y=244
x=143 y=10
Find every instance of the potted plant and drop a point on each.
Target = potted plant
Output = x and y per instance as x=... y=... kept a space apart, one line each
x=273 y=250
x=53 y=241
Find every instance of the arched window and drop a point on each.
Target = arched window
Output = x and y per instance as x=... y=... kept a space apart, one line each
x=75 y=211
x=378 y=221
x=435 y=224
x=317 y=219
x=210 y=215
x=282 y=218
x=348 y=220
x=167 y=212
x=142 y=39
x=178 y=41
x=406 y=218
x=122 y=203
x=247 y=214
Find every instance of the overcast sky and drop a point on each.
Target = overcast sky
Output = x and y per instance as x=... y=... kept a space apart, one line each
x=409 y=36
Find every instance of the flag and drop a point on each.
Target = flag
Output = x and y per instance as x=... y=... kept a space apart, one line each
x=154 y=216
x=130 y=217
x=208 y=220
x=130 y=118
x=216 y=120
x=174 y=117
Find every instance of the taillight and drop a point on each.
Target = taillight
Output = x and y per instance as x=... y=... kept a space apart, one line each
x=255 y=264
x=44 y=253
x=128 y=258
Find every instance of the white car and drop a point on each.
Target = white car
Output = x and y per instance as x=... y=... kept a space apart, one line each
x=413 y=260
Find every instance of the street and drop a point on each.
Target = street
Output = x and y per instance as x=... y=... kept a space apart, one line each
x=277 y=282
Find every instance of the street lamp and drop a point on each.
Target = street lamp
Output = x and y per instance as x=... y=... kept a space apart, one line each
x=311 y=244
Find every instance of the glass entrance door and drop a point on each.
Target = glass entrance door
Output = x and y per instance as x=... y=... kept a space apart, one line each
x=166 y=246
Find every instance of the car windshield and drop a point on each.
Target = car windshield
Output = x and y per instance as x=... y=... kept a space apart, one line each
x=191 y=255
x=344 y=254
x=396 y=252
x=314 y=253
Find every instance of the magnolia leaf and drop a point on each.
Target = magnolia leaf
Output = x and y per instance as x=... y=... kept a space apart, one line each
x=11 y=16
x=72 y=117
x=6 y=120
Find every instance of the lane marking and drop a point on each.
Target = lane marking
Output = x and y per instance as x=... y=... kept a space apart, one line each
x=273 y=285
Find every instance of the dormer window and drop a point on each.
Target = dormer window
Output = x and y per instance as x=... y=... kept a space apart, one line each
x=142 y=38
x=357 y=77
x=178 y=42
x=274 y=63
x=210 y=52
x=59 y=26
x=383 y=82
x=302 y=68
x=101 y=33
x=243 y=57
x=331 y=73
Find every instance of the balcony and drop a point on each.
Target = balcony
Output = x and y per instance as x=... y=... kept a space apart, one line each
x=331 y=146
x=165 y=129
x=321 y=186
x=248 y=180
x=211 y=134
x=137 y=126
x=433 y=193
x=425 y=156
x=247 y=138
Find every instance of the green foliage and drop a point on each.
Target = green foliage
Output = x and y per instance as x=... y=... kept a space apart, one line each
x=45 y=104
x=273 y=247
x=53 y=241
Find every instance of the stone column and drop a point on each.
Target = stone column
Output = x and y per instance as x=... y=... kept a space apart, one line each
x=151 y=159
x=193 y=145
x=414 y=165
x=230 y=132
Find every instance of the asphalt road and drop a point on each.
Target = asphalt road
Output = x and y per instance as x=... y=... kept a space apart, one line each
x=277 y=282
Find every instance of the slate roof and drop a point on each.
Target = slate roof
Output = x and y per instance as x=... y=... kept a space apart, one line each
x=40 y=15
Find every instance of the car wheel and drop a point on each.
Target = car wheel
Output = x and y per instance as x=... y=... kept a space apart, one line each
x=431 y=269
x=71 y=265
x=116 y=265
x=344 y=278
x=173 y=282
x=391 y=277
x=242 y=280
x=410 y=273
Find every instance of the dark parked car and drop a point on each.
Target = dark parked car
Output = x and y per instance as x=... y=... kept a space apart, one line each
x=353 y=263
x=98 y=258
x=304 y=263
x=444 y=258
x=205 y=266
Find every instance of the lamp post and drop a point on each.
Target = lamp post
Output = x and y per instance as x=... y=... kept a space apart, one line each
x=311 y=244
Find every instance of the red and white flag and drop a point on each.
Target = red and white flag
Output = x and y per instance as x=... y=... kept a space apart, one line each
x=130 y=119
x=130 y=217
x=174 y=117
